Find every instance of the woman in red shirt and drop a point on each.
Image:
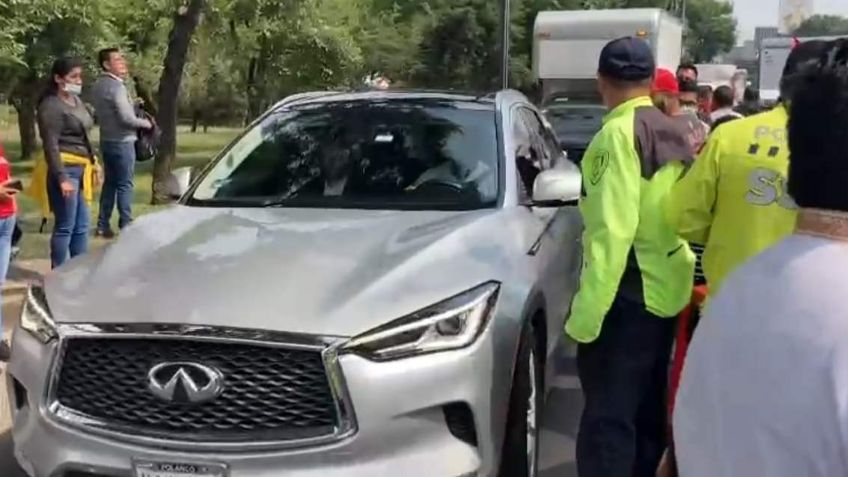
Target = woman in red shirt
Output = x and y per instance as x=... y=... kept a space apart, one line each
x=8 y=209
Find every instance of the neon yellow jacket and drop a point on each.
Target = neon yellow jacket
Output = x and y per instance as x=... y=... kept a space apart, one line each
x=628 y=247
x=734 y=198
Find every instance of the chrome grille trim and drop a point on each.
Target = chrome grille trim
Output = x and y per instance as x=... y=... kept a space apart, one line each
x=327 y=345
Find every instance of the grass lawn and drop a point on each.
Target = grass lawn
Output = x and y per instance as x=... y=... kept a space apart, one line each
x=193 y=149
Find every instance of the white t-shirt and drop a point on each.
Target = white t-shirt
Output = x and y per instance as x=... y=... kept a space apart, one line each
x=765 y=385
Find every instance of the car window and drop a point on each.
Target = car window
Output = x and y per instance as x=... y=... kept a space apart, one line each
x=527 y=154
x=544 y=157
x=546 y=138
x=389 y=154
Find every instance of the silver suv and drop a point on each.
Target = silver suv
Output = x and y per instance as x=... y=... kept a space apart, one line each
x=362 y=284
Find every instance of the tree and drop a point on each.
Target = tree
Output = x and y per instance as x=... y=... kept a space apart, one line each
x=459 y=49
x=711 y=29
x=823 y=25
x=141 y=28
x=35 y=32
x=186 y=19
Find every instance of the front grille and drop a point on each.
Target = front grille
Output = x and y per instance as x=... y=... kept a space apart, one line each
x=269 y=393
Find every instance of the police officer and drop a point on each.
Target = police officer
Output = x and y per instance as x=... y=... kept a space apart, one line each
x=734 y=199
x=637 y=272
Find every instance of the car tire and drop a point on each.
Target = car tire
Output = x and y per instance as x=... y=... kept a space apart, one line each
x=520 y=455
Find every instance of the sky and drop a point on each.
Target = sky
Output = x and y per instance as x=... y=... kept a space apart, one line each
x=754 y=13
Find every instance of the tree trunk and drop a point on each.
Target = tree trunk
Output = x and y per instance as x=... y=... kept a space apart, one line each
x=195 y=120
x=144 y=94
x=26 y=127
x=24 y=100
x=255 y=83
x=185 y=22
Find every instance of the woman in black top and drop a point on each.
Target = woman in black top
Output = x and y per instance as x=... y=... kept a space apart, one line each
x=64 y=123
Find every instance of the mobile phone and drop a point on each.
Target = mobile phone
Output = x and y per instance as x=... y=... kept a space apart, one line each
x=15 y=184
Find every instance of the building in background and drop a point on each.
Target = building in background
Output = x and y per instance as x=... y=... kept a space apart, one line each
x=745 y=57
x=762 y=33
x=793 y=13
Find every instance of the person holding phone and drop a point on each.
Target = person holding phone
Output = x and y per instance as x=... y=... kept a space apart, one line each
x=8 y=208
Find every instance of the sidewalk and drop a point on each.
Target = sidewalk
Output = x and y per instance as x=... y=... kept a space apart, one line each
x=22 y=274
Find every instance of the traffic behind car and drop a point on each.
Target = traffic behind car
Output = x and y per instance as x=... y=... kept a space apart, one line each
x=575 y=124
x=360 y=282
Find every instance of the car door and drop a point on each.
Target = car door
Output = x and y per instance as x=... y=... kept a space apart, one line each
x=558 y=248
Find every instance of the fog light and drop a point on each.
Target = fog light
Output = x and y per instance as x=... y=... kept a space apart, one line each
x=24 y=463
x=21 y=395
x=460 y=421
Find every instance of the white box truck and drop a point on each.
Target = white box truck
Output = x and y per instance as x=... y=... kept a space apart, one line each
x=567 y=45
x=773 y=54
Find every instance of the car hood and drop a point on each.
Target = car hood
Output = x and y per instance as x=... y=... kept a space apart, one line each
x=338 y=272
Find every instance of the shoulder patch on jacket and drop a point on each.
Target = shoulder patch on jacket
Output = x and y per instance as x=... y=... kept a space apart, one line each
x=600 y=164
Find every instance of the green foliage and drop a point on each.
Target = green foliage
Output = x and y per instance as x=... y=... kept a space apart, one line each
x=823 y=25
x=247 y=54
x=711 y=29
x=459 y=47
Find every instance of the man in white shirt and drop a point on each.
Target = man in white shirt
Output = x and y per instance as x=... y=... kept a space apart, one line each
x=765 y=385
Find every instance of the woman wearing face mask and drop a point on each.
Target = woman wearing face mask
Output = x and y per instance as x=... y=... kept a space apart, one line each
x=67 y=174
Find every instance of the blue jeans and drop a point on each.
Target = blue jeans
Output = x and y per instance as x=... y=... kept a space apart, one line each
x=118 y=168
x=71 y=215
x=7 y=227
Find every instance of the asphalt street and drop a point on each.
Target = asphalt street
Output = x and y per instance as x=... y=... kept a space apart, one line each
x=559 y=431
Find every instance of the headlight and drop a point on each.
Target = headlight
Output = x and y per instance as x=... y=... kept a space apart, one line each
x=452 y=324
x=35 y=317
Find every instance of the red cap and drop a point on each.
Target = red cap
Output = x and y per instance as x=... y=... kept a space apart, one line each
x=665 y=82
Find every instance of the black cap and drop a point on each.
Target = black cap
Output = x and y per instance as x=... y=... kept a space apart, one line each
x=627 y=59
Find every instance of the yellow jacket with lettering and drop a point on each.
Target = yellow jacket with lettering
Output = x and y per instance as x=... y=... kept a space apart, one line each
x=734 y=200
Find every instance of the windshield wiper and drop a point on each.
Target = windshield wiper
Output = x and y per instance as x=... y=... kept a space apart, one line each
x=229 y=202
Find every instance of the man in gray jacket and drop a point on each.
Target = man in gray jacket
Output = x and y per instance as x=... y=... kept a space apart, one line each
x=118 y=133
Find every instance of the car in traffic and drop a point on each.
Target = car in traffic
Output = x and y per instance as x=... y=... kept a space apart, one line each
x=575 y=122
x=363 y=283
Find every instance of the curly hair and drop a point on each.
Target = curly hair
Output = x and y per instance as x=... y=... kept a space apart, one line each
x=818 y=132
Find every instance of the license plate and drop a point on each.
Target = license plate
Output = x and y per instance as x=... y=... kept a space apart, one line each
x=178 y=469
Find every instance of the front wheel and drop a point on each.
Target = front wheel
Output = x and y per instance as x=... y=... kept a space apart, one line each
x=520 y=455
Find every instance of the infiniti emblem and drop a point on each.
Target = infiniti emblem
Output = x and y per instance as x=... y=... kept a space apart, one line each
x=185 y=382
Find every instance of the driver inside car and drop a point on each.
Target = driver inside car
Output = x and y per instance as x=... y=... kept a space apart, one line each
x=445 y=171
x=337 y=177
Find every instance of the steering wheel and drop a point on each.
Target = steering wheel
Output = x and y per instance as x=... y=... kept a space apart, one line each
x=441 y=184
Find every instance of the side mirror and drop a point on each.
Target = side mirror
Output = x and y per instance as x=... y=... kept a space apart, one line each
x=179 y=182
x=557 y=187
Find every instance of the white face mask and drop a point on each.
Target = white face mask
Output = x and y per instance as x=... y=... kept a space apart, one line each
x=73 y=88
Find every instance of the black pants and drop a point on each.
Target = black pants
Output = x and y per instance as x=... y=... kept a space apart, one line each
x=624 y=375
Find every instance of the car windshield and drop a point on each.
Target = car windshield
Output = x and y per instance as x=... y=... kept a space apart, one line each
x=575 y=119
x=362 y=154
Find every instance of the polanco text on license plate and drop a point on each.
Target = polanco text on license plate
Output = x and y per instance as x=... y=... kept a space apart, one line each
x=169 y=469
